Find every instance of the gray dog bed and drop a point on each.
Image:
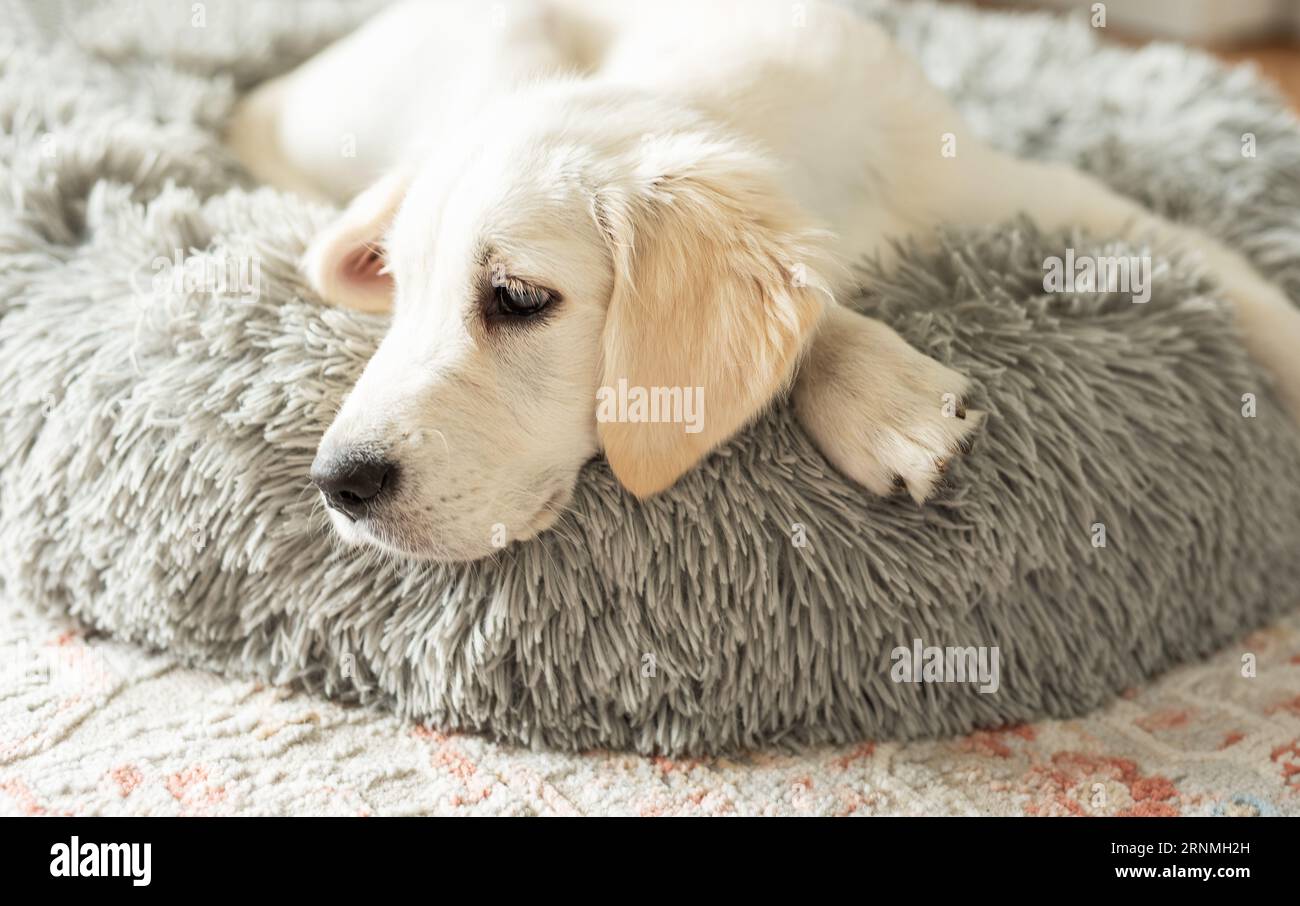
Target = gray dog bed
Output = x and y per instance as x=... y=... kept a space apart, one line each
x=156 y=439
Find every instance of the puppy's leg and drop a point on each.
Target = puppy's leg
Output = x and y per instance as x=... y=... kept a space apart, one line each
x=882 y=413
x=1057 y=196
x=253 y=135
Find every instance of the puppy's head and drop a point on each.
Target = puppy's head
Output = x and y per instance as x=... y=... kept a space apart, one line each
x=573 y=277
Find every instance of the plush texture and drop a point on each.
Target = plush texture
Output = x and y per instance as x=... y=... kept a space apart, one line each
x=156 y=443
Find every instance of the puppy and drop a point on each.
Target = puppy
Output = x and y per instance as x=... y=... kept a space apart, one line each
x=556 y=198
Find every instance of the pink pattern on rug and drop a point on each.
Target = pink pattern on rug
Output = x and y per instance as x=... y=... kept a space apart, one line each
x=170 y=741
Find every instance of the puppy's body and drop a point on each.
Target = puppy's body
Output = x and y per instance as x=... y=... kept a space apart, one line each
x=698 y=175
x=846 y=114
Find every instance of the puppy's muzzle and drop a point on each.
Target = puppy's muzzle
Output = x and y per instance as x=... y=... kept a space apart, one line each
x=354 y=485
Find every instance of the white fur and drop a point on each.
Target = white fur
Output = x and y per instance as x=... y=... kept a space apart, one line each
x=692 y=177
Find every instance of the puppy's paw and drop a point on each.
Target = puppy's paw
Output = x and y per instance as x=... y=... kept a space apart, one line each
x=882 y=413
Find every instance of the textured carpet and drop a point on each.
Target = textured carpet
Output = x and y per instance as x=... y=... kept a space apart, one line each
x=156 y=440
x=121 y=732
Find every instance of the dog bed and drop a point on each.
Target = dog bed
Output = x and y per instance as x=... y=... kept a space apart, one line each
x=1133 y=500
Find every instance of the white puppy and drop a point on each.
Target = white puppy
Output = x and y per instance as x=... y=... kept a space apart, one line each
x=558 y=198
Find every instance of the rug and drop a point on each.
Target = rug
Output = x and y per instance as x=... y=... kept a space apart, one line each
x=90 y=726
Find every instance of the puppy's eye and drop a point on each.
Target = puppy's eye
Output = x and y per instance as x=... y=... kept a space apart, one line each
x=519 y=300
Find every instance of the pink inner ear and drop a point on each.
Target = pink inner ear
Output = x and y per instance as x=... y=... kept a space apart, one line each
x=364 y=265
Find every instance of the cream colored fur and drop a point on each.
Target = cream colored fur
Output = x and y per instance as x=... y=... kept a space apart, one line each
x=693 y=179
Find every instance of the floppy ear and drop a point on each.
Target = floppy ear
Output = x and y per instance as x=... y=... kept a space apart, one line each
x=716 y=294
x=344 y=264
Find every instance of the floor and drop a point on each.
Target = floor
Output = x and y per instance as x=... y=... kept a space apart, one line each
x=1278 y=61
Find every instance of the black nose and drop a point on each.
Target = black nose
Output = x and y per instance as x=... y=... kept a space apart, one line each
x=353 y=485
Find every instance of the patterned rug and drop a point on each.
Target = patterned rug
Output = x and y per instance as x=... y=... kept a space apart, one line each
x=93 y=727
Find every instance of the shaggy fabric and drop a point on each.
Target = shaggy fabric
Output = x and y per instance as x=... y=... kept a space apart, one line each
x=156 y=440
